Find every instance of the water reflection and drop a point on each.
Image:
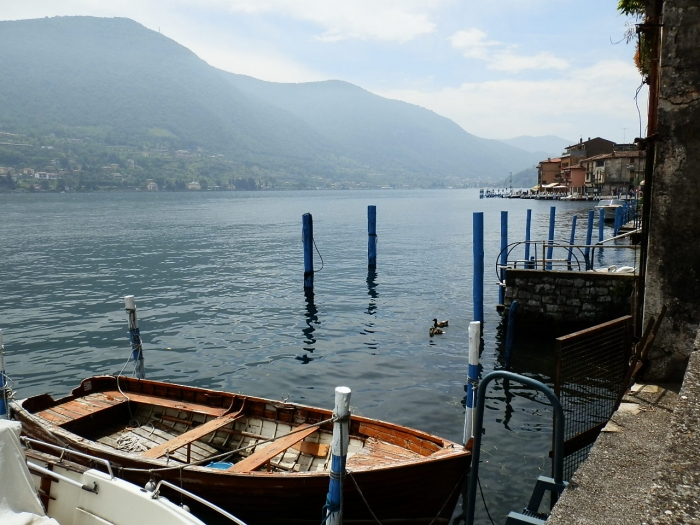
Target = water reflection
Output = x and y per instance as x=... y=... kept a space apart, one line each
x=371 y=307
x=308 y=331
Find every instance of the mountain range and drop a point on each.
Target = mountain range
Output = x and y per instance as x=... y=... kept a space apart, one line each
x=117 y=83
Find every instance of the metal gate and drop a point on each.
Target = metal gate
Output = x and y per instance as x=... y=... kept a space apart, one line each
x=590 y=372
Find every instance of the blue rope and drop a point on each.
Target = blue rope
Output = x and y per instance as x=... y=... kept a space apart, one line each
x=329 y=508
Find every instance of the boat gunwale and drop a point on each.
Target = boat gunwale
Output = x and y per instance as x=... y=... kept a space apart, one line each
x=446 y=449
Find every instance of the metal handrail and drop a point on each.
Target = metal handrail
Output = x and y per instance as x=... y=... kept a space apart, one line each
x=156 y=495
x=60 y=477
x=577 y=251
x=479 y=423
x=156 y=492
x=65 y=450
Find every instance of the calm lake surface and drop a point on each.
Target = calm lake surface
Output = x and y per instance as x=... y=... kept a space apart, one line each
x=218 y=280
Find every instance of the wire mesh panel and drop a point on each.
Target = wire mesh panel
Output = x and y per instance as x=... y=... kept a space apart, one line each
x=591 y=367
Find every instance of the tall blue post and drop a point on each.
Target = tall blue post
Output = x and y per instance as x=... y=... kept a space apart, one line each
x=589 y=239
x=550 y=247
x=510 y=332
x=4 y=406
x=478 y=278
x=528 y=223
x=135 y=337
x=618 y=221
x=372 y=239
x=339 y=452
x=601 y=223
x=504 y=257
x=571 y=241
x=307 y=236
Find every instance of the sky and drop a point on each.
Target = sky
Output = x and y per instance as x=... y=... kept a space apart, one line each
x=499 y=69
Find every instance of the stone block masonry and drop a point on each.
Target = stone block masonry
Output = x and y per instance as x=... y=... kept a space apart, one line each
x=568 y=299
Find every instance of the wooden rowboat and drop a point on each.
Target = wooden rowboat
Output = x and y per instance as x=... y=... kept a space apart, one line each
x=262 y=460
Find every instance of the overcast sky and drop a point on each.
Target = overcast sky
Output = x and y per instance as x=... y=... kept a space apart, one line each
x=499 y=68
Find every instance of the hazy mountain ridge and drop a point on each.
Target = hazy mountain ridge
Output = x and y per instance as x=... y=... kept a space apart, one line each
x=123 y=84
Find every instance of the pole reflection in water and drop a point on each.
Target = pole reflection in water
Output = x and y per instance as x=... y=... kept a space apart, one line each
x=308 y=331
x=371 y=307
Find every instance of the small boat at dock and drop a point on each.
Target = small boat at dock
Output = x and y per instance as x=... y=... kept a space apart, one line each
x=263 y=461
x=610 y=207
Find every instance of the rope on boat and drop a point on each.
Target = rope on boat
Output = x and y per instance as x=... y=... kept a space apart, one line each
x=224 y=456
x=130 y=443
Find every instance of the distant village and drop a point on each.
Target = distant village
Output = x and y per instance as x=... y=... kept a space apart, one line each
x=593 y=168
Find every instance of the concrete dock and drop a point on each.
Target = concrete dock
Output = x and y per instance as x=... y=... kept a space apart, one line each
x=645 y=468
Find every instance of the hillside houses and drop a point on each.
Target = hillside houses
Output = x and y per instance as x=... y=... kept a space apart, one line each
x=594 y=167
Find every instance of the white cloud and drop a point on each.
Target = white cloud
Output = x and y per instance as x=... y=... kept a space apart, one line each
x=507 y=61
x=592 y=101
x=385 y=20
x=473 y=43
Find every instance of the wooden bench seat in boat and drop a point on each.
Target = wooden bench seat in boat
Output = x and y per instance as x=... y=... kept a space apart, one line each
x=194 y=434
x=92 y=404
x=265 y=454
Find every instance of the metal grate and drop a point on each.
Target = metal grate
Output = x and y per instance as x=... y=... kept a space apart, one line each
x=591 y=366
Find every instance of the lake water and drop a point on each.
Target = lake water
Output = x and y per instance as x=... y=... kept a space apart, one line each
x=218 y=280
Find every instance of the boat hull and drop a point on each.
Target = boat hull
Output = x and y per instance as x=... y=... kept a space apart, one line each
x=421 y=490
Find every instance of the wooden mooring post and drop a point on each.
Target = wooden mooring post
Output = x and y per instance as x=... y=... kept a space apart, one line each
x=339 y=452
x=4 y=406
x=372 y=236
x=472 y=379
x=550 y=238
x=504 y=257
x=478 y=276
x=528 y=224
x=135 y=338
x=589 y=239
x=307 y=236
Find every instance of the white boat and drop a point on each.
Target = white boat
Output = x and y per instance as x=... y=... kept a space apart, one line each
x=38 y=487
x=609 y=206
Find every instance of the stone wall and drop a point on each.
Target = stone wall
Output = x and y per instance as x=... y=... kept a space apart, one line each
x=673 y=267
x=568 y=299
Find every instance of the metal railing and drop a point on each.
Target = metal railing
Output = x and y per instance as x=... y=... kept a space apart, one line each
x=64 y=451
x=156 y=495
x=156 y=492
x=558 y=255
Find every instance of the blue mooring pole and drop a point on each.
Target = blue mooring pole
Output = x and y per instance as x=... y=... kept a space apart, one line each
x=135 y=337
x=571 y=241
x=550 y=248
x=339 y=452
x=4 y=406
x=504 y=257
x=528 y=223
x=618 y=221
x=307 y=236
x=472 y=379
x=372 y=239
x=601 y=223
x=589 y=239
x=478 y=278
x=510 y=332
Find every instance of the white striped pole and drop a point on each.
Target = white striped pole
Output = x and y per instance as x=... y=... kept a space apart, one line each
x=135 y=337
x=4 y=410
x=472 y=379
x=339 y=452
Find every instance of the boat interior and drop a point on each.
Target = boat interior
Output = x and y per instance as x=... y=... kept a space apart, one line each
x=225 y=431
